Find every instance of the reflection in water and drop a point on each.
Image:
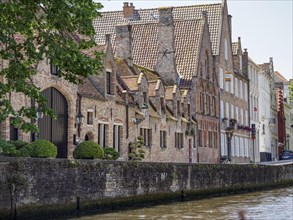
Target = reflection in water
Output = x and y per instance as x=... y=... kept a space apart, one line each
x=266 y=205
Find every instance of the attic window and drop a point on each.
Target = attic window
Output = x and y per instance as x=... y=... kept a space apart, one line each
x=54 y=70
x=108 y=82
x=178 y=108
x=144 y=97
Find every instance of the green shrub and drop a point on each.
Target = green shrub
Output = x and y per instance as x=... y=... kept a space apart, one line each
x=110 y=153
x=42 y=148
x=8 y=149
x=88 y=150
x=24 y=152
x=18 y=143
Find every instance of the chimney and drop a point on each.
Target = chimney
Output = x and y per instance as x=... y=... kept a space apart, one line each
x=123 y=43
x=271 y=66
x=128 y=10
x=230 y=24
x=245 y=62
x=166 y=66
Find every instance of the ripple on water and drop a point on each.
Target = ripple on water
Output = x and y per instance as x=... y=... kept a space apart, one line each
x=266 y=205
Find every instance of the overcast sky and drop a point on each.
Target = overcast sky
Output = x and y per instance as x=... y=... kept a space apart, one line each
x=265 y=26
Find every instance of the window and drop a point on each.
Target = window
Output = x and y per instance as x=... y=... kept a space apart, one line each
x=210 y=134
x=240 y=62
x=108 y=82
x=215 y=139
x=227 y=110
x=163 y=135
x=178 y=140
x=163 y=107
x=232 y=84
x=207 y=65
x=241 y=116
x=222 y=109
x=245 y=91
x=54 y=70
x=90 y=117
x=236 y=111
x=226 y=49
x=222 y=144
x=117 y=136
x=241 y=87
x=178 y=108
x=13 y=132
x=145 y=98
x=233 y=146
x=102 y=135
x=146 y=133
x=232 y=111
x=188 y=110
x=236 y=87
x=213 y=109
x=199 y=138
x=221 y=78
x=201 y=102
x=207 y=104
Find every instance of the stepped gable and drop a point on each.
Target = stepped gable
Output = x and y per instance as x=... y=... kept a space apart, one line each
x=187 y=39
x=106 y=24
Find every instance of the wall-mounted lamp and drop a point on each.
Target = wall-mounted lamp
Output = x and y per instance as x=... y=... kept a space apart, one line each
x=40 y=113
x=79 y=118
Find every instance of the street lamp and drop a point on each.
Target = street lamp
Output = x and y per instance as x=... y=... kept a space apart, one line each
x=79 y=119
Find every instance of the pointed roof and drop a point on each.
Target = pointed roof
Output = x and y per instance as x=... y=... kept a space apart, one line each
x=280 y=78
x=106 y=24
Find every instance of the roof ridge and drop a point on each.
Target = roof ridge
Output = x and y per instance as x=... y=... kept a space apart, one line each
x=187 y=6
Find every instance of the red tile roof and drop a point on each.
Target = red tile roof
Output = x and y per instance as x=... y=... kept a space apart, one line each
x=106 y=24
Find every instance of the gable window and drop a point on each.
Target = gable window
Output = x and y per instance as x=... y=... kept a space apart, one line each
x=54 y=70
x=178 y=140
x=102 y=135
x=117 y=133
x=13 y=132
x=207 y=66
x=163 y=107
x=178 y=108
x=108 y=82
x=163 y=135
x=90 y=117
x=145 y=99
x=226 y=49
x=146 y=133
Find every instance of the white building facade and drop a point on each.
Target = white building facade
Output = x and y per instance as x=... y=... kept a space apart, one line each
x=253 y=75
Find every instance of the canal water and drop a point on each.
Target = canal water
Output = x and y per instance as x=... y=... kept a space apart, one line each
x=265 y=205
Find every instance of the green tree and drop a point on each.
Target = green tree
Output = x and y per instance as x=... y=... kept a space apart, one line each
x=31 y=31
x=136 y=151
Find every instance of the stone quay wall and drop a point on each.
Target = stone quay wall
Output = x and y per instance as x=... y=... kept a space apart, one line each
x=33 y=186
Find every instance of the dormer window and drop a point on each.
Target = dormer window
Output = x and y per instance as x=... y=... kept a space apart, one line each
x=163 y=107
x=145 y=98
x=178 y=108
x=108 y=82
x=54 y=70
